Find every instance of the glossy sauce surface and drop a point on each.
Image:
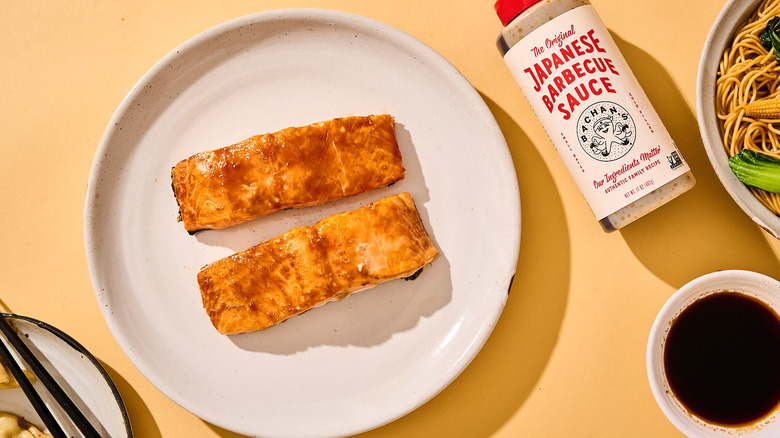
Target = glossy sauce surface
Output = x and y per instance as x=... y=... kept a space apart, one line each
x=292 y=168
x=722 y=359
x=311 y=265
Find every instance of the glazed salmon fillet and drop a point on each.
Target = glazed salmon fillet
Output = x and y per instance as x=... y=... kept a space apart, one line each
x=309 y=266
x=292 y=168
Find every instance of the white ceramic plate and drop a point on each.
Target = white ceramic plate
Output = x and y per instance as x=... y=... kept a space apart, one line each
x=78 y=373
x=348 y=366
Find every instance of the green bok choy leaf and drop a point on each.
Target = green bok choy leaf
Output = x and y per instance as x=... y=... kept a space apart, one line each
x=770 y=37
x=757 y=170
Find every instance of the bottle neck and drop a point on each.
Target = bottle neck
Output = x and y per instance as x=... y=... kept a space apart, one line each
x=532 y=18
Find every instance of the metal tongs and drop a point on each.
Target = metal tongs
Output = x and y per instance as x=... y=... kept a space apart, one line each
x=67 y=405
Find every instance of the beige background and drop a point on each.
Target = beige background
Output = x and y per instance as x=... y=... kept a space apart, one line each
x=567 y=356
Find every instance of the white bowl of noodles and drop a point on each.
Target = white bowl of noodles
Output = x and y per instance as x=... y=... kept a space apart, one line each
x=720 y=110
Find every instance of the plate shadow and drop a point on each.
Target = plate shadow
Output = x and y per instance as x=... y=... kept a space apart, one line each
x=141 y=418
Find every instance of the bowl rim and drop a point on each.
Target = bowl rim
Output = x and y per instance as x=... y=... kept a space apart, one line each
x=732 y=14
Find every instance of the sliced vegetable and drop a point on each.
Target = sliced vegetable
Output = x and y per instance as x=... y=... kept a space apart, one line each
x=770 y=37
x=757 y=170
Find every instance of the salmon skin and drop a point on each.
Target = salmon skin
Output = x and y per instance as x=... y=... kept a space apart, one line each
x=309 y=266
x=292 y=168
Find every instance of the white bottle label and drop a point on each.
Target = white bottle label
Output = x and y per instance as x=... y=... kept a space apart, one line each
x=594 y=111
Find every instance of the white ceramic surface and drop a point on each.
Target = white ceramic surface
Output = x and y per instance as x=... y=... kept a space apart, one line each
x=348 y=366
x=757 y=285
x=721 y=35
x=78 y=373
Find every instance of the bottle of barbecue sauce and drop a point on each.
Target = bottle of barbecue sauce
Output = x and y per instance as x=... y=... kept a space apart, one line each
x=609 y=136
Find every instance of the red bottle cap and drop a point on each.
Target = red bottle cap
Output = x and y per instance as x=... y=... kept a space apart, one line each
x=507 y=10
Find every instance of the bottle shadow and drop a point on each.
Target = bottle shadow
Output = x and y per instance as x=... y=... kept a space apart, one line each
x=704 y=230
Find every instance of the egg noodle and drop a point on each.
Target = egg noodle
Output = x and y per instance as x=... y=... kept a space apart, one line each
x=749 y=72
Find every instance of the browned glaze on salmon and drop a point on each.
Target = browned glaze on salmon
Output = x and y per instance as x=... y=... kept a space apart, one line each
x=292 y=168
x=308 y=266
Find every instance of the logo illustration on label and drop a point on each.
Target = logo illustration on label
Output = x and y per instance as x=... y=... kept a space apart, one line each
x=606 y=131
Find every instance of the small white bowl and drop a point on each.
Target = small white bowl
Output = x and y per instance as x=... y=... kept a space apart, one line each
x=733 y=14
x=750 y=283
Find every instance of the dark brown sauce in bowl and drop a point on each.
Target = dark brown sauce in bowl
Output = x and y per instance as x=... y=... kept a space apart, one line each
x=722 y=359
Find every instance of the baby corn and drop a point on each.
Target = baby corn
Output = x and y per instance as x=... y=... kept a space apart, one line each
x=764 y=109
